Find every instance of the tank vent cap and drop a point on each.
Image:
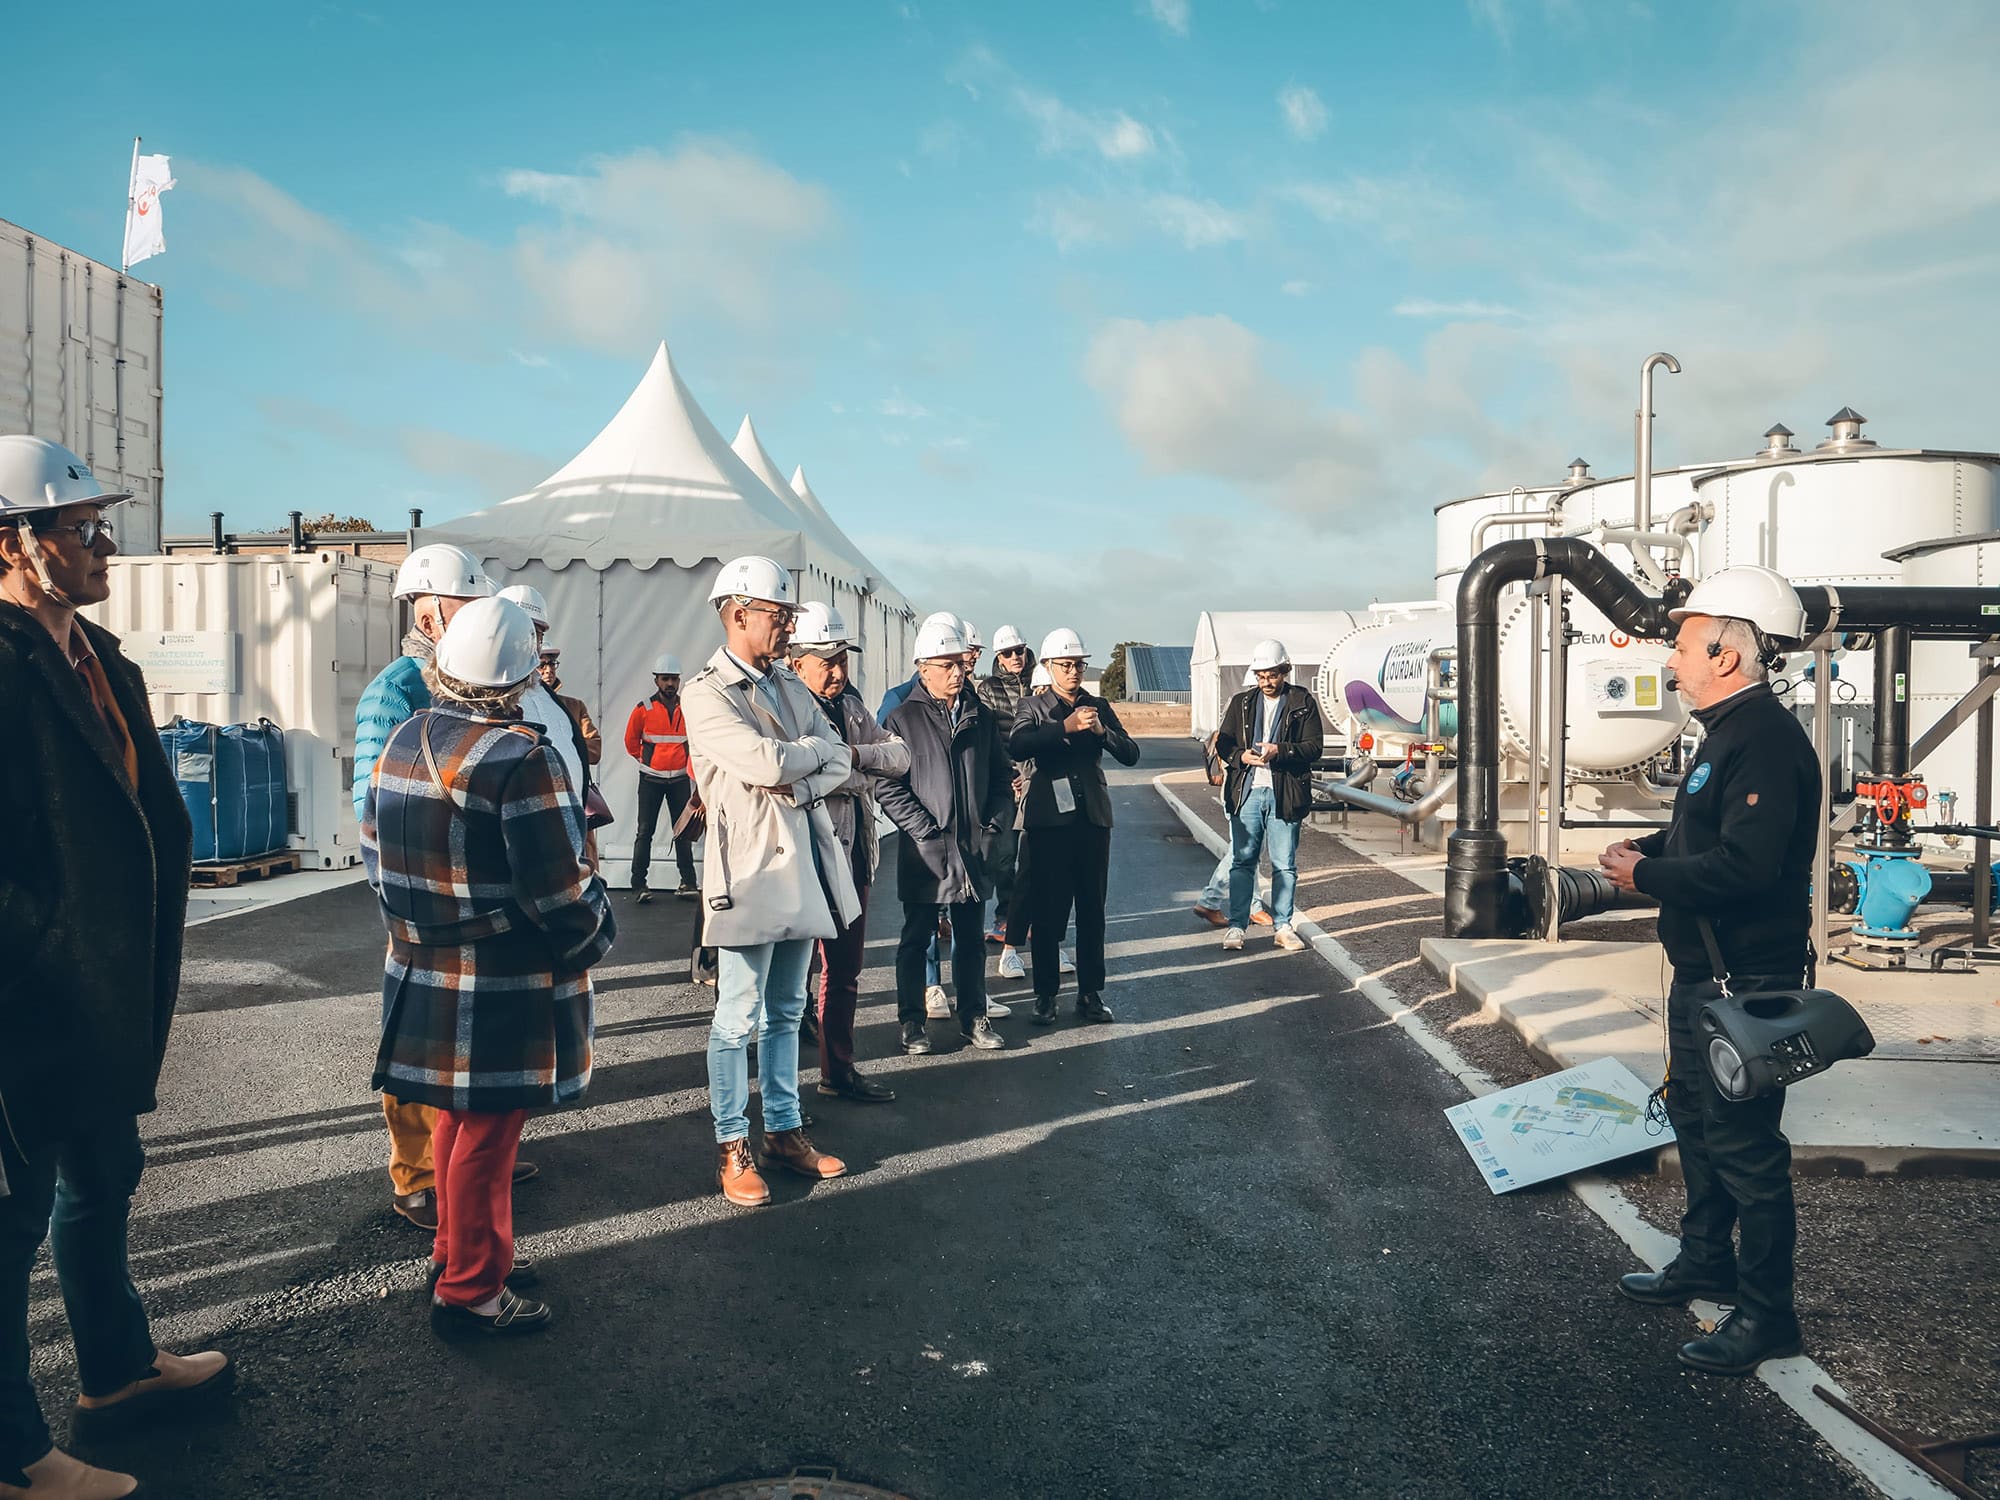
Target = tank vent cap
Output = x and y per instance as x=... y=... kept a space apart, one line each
x=1777 y=441
x=1846 y=425
x=1579 y=472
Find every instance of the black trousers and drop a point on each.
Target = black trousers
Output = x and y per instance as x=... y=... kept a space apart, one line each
x=968 y=959
x=1003 y=863
x=1737 y=1163
x=653 y=790
x=1072 y=869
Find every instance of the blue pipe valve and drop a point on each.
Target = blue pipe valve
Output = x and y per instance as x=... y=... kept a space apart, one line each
x=1892 y=884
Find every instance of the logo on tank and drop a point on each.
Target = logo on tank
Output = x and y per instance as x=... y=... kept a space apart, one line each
x=1699 y=779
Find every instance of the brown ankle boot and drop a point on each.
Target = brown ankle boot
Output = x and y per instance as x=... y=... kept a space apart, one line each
x=738 y=1175
x=58 y=1476
x=791 y=1149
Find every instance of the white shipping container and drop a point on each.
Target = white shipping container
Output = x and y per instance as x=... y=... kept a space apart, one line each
x=80 y=348
x=292 y=639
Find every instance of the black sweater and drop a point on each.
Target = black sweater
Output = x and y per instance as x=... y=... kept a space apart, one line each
x=1741 y=844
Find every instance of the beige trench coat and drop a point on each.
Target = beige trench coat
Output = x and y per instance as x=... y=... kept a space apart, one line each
x=765 y=784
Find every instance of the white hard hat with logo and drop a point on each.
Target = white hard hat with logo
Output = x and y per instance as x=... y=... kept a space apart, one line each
x=1268 y=656
x=1059 y=645
x=1762 y=596
x=822 y=628
x=38 y=475
x=1040 y=677
x=940 y=638
x=489 y=643
x=972 y=640
x=530 y=599
x=444 y=570
x=1007 y=638
x=666 y=664
x=752 y=577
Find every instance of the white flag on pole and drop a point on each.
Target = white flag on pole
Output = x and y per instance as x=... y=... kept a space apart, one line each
x=143 y=235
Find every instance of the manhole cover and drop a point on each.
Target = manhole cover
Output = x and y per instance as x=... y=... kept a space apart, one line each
x=800 y=1484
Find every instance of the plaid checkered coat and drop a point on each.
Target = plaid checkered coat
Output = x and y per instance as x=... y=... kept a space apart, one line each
x=493 y=921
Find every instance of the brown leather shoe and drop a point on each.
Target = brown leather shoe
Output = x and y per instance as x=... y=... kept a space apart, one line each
x=175 y=1381
x=738 y=1175
x=420 y=1207
x=57 y=1476
x=791 y=1149
x=1211 y=916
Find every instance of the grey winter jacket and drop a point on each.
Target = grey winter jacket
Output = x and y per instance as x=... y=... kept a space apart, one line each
x=877 y=754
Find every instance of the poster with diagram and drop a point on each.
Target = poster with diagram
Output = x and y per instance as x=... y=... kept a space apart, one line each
x=1548 y=1128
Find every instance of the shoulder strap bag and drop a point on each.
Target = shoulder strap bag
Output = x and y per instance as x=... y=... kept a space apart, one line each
x=1758 y=1043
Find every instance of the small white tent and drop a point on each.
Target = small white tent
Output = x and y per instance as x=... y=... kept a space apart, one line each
x=1222 y=642
x=624 y=541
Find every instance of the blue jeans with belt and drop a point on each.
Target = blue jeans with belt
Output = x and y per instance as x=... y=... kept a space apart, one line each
x=76 y=1193
x=759 y=991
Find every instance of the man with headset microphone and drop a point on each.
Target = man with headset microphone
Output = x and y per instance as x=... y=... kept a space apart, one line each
x=1734 y=865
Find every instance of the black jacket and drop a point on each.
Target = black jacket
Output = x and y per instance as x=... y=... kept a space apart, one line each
x=1039 y=736
x=93 y=891
x=1003 y=692
x=958 y=787
x=1299 y=737
x=1741 y=845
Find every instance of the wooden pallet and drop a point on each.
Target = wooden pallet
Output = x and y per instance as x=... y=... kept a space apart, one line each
x=280 y=863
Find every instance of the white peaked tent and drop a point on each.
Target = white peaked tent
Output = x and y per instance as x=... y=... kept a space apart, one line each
x=624 y=541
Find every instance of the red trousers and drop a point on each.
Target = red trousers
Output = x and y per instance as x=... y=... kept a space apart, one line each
x=840 y=960
x=474 y=1154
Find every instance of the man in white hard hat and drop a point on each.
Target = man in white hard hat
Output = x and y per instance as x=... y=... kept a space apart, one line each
x=776 y=878
x=819 y=658
x=1066 y=813
x=656 y=736
x=1270 y=739
x=1013 y=666
x=893 y=699
x=1734 y=869
x=975 y=648
x=94 y=859
x=948 y=804
x=541 y=707
x=437 y=579
x=1212 y=905
x=548 y=670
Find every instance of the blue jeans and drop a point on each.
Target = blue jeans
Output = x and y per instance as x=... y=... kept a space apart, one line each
x=77 y=1193
x=1253 y=828
x=934 y=963
x=1215 y=895
x=760 y=989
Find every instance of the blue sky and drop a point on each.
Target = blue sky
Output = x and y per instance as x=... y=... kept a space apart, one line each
x=1076 y=313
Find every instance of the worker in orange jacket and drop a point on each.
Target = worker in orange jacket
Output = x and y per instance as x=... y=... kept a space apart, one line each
x=656 y=737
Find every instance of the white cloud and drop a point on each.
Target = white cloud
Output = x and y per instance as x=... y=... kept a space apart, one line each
x=1060 y=128
x=530 y=360
x=1303 y=110
x=1419 y=307
x=1076 y=222
x=896 y=404
x=1297 y=288
x=1495 y=16
x=1173 y=15
x=1196 y=223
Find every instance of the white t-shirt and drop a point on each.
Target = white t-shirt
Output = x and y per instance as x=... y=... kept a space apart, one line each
x=1266 y=729
x=539 y=707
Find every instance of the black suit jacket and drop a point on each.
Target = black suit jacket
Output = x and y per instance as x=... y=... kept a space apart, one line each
x=1038 y=735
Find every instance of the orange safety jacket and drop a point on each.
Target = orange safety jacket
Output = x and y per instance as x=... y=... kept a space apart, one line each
x=656 y=736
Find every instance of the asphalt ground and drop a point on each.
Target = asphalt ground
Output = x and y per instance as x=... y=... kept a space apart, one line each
x=1226 y=1247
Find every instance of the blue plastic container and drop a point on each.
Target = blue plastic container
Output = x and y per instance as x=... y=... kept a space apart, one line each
x=232 y=778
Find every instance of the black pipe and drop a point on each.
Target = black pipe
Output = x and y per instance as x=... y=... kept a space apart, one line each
x=298 y=531
x=1892 y=702
x=217 y=542
x=416 y=525
x=1928 y=614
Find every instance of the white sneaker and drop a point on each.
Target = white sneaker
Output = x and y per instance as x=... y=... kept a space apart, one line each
x=1011 y=966
x=1065 y=962
x=1232 y=940
x=937 y=1004
x=1287 y=939
x=995 y=1010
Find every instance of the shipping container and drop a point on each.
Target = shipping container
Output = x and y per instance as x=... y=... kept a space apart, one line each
x=294 y=639
x=80 y=347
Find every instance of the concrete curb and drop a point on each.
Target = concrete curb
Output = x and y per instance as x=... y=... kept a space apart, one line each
x=1792 y=1379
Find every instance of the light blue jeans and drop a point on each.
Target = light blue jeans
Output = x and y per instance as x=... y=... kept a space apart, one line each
x=1215 y=895
x=1254 y=828
x=761 y=990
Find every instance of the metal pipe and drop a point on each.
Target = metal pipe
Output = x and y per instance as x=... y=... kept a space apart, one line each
x=217 y=542
x=1822 y=737
x=1485 y=524
x=1982 y=810
x=1642 y=470
x=1659 y=791
x=1892 y=702
x=1408 y=813
x=298 y=531
x=1558 y=733
x=416 y=525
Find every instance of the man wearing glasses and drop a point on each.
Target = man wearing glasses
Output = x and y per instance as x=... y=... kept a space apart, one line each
x=765 y=760
x=1066 y=731
x=93 y=897
x=1013 y=669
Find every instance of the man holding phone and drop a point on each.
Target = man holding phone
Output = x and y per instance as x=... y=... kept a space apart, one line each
x=1270 y=739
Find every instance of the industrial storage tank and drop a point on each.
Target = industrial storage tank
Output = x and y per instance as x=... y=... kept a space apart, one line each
x=1457 y=520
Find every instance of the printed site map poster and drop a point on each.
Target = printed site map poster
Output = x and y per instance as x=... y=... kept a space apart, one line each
x=1577 y=1118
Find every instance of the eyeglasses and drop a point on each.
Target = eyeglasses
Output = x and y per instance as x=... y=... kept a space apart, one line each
x=1013 y=651
x=550 y=660
x=87 y=532
x=786 y=616
x=1061 y=665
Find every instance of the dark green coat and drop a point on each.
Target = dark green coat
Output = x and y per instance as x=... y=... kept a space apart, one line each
x=93 y=891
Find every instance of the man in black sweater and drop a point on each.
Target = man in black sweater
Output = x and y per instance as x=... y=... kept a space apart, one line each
x=1738 y=858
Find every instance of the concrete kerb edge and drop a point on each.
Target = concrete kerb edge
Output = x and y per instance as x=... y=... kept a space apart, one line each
x=1792 y=1379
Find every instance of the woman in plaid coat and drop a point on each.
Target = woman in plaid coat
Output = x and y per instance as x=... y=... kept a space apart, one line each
x=474 y=845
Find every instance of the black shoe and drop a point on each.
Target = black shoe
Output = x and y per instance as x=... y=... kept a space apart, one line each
x=858 y=1089
x=1742 y=1341
x=520 y=1278
x=525 y=1171
x=1045 y=1010
x=983 y=1036
x=915 y=1043
x=687 y=890
x=1093 y=1010
x=642 y=895
x=517 y=1315
x=1674 y=1287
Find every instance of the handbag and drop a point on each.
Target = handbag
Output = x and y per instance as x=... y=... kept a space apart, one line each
x=1767 y=1040
x=693 y=821
x=1212 y=763
x=596 y=811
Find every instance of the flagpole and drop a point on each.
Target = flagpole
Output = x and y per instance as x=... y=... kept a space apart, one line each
x=131 y=177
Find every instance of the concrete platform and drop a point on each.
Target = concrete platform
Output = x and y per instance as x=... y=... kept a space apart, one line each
x=1913 y=1104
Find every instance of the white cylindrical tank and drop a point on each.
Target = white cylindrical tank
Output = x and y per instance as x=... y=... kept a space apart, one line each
x=1456 y=519
x=1941 y=672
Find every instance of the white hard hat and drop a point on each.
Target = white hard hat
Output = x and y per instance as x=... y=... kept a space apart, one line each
x=937 y=637
x=1007 y=638
x=1268 y=656
x=36 y=474
x=666 y=664
x=1060 y=644
x=489 y=643
x=822 y=627
x=549 y=647
x=1249 y=677
x=444 y=570
x=530 y=599
x=752 y=577
x=1762 y=596
x=942 y=617
x=972 y=640
x=1040 y=677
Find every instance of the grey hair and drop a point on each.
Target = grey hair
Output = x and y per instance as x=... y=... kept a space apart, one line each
x=495 y=703
x=1748 y=643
